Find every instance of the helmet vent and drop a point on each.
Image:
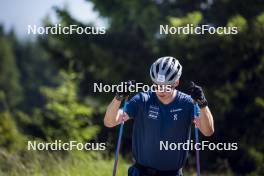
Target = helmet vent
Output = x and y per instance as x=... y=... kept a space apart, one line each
x=168 y=71
x=157 y=68
x=165 y=63
x=173 y=62
x=172 y=76
x=152 y=74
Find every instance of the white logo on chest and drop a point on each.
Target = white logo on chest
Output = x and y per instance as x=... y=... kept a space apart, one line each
x=153 y=112
x=175 y=116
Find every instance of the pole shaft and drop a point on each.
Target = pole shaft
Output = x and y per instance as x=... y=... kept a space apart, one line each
x=119 y=142
x=197 y=140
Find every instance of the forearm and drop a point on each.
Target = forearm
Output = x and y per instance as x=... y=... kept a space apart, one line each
x=111 y=115
x=206 y=122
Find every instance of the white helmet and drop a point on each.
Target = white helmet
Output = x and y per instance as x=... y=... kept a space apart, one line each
x=165 y=70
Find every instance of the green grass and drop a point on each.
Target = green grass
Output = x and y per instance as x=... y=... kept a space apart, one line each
x=50 y=164
x=36 y=163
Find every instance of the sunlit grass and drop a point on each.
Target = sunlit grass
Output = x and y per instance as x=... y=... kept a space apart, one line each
x=50 y=164
x=36 y=163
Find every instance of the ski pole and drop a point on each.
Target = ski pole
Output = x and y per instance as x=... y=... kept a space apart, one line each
x=119 y=140
x=197 y=139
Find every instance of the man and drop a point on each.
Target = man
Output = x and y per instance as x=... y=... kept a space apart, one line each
x=161 y=116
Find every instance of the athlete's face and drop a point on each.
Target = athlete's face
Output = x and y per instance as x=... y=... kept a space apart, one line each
x=165 y=94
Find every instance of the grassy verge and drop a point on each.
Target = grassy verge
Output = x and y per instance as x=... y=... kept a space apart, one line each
x=50 y=164
x=36 y=163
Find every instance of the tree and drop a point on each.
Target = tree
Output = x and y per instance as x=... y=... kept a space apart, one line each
x=9 y=76
x=64 y=117
x=230 y=68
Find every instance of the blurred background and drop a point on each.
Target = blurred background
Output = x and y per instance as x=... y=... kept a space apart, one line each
x=46 y=81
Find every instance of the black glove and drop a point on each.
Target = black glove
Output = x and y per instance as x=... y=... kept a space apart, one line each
x=198 y=95
x=124 y=93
